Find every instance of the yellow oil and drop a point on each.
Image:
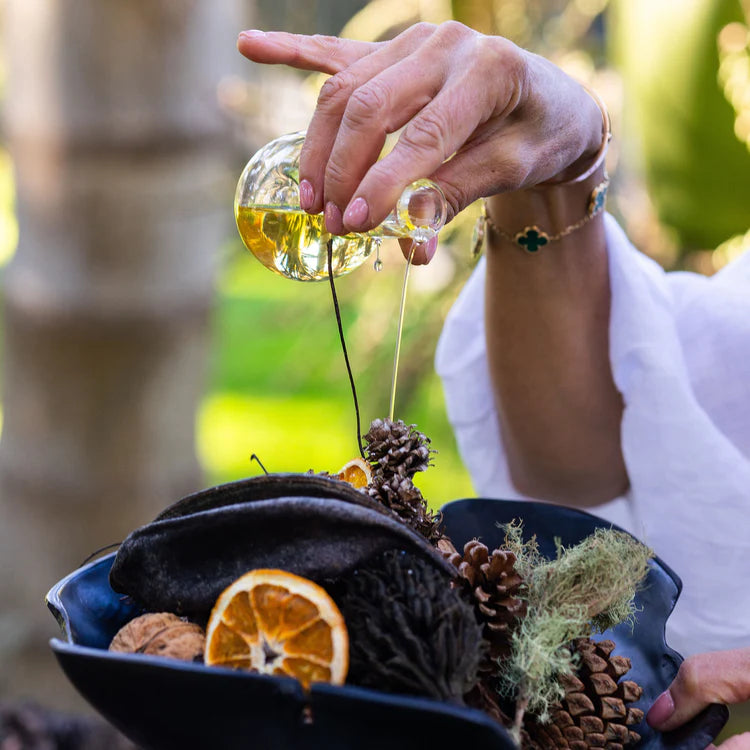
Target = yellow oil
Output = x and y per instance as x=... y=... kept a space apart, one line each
x=292 y=243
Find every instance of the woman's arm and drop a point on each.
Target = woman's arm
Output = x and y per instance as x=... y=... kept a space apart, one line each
x=547 y=321
x=547 y=318
x=483 y=118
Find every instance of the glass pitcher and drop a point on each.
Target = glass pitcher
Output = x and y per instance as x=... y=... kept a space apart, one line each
x=293 y=243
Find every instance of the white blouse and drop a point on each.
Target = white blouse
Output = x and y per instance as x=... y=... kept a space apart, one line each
x=680 y=354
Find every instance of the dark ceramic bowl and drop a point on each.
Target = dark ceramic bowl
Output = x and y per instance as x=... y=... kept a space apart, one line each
x=164 y=704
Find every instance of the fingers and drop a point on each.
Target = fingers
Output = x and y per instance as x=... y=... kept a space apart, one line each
x=738 y=742
x=432 y=80
x=430 y=138
x=372 y=101
x=325 y=54
x=423 y=253
x=444 y=121
x=717 y=677
x=455 y=92
x=380 y=106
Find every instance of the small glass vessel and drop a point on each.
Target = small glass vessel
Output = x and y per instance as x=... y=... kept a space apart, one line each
x=293 y=243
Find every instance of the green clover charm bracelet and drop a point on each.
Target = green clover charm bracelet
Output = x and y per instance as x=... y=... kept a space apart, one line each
x=531 y=239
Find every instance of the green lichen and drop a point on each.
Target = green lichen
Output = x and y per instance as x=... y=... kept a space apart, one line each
x=528 y=557
x=589 y=587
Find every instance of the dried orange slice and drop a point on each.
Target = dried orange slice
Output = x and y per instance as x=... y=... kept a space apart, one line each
x=277 y=623
x=357 y=472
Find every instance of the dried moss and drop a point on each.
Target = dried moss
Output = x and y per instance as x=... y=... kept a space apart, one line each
x=589 y=587
x=528 y=557
x=600 y=575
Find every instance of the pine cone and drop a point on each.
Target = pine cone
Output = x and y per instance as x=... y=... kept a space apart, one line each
x=491 y=583
x=594 y=712
x=400 y=495
x=409 y=631
x=395 y=448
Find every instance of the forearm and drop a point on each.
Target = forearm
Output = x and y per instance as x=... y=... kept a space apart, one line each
x=547 y=318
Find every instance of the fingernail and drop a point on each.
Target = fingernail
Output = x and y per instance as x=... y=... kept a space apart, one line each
x=662 y=709
x=334 y=224
x=250 y=33
x=430 y=248
x=356 y=214
x=306 y=195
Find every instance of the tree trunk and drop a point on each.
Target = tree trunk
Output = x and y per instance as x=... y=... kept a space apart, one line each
x=123 y=200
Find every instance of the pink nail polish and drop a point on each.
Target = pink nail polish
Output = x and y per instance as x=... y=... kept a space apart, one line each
x=662 y=709
x=334 y=224
x=356 y=214
x=306 y=195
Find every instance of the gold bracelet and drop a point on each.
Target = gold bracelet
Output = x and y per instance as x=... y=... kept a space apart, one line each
x=532 y=238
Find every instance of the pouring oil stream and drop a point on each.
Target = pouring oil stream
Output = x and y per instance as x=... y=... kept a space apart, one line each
x=399 y=332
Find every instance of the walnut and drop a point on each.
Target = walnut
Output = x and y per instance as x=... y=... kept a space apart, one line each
x=160 y=634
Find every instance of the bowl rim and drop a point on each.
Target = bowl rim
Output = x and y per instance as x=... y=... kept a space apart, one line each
x=566 y=510
x=289 y=686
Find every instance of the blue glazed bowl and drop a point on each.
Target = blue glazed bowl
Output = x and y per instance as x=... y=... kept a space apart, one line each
x=163 y=704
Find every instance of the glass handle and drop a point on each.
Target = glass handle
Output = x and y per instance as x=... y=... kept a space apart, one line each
x=420 y=213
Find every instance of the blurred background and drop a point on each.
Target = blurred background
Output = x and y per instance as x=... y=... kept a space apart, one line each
x=146 y=355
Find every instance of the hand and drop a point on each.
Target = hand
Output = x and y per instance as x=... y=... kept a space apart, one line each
x=717 y=677
x=508 y=119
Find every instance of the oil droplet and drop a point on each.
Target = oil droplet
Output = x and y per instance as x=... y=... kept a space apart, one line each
x=378 y=264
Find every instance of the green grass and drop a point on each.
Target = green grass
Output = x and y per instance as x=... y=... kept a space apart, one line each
x=279 y=387
x=287 y=434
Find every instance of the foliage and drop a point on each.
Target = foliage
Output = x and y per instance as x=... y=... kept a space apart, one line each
x=278 y=382
x=545 y=26
x=695 y=164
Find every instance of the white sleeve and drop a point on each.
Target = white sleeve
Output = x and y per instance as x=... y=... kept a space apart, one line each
x=680 y=354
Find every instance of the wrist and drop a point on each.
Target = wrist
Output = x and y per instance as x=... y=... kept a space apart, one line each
x=550 y=211
x=535 y=217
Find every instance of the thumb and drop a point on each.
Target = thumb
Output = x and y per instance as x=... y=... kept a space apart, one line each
x=716 y=677
x=738 y=742
x=423 y=253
